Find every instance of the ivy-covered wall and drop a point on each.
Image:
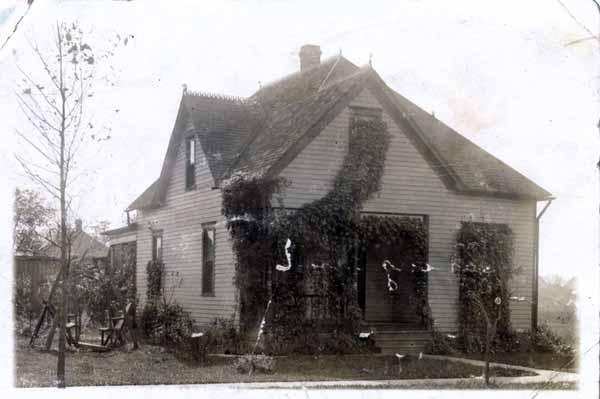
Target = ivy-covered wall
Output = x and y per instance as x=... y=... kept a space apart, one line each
x=484 y=266
x=326 y=234
x=410 y=186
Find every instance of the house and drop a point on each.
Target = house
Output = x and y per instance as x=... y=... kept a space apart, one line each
x=39 y=271
x=298 y=128
x=122 y=244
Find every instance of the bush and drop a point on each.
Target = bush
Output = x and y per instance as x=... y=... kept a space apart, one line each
x=223 y=337
x=96 y=286
x=310 y=343
x=442 y=344
x=546 y=341
x=166 y=322
x=193 y=348
x=249 y=364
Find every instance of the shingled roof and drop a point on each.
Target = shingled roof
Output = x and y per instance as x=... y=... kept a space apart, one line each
x=260 y=135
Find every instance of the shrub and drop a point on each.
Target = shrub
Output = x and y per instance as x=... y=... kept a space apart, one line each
x=442 y=344
x=166 y=322
x=546 y=341
x=96 y=286
x=249 y=364
x=310 y=343
x=194 y=348
x=224 y=337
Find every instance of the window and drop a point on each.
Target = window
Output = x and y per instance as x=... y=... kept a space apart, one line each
x=157 y=246
x=366 y=113
x=190 y=163
x=208 y=259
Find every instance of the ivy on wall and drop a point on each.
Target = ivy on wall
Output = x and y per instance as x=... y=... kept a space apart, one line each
x=483 y=260
x=154 y=272
x=326 y=238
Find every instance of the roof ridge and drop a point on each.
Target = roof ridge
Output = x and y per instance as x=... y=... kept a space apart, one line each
x=215 y=96
x=292 y=75
x=360 y=71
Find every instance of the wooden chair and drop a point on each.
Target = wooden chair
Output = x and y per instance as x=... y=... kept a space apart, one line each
x=72 y=330
x=113 y=334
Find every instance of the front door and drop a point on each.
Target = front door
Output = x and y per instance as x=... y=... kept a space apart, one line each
x=388 y=288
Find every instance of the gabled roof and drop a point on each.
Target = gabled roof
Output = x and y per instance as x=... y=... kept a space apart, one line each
x=478 y=170
x=289 y=107
x=222 y=125
x=262 y=134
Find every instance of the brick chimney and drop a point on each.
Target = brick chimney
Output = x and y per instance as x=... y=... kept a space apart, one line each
x=310 y=56
x=78 y=226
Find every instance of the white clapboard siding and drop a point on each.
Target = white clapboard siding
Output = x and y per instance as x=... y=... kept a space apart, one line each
x=181 y=219
x=410 y=186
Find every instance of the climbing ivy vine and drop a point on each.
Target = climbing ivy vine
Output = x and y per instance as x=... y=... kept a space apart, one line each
x=323 y=239
x=483 y=261
x=154 y=272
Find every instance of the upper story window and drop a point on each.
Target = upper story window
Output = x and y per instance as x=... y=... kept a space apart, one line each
x=157 y=246
x=190 y=163
x=208 y=259
x=366 y=113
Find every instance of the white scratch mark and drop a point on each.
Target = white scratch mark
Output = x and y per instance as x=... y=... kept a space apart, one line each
x=288 y=255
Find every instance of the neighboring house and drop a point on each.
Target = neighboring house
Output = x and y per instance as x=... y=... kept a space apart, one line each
x=122 y=244
x=39 y=272
x=297 y=128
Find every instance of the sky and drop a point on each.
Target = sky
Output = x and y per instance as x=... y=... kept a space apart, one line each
x=500 y=73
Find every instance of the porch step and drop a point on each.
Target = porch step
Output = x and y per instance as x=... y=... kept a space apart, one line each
x=403 y=342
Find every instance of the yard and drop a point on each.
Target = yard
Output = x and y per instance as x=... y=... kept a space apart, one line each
x=152 y=365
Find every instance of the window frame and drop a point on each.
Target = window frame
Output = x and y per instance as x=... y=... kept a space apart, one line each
x=157 y=237
x=206 y=229
x=190 y=163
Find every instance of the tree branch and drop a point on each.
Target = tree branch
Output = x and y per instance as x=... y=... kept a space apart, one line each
x=39 y=89
x=48 y=186
x=34 y=146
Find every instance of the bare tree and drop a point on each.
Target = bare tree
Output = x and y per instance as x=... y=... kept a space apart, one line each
x=491 y=314
x=52 y=99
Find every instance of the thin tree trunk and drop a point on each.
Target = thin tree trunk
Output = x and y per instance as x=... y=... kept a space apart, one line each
x=60 y=368
x=486 y=372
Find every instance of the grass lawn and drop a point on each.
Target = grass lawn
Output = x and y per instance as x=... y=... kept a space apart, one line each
x=150 y=365
x=546 y=361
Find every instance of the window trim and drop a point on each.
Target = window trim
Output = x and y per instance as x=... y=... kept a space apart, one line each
x=206 y=227
x=190 y=163
x=158 y=234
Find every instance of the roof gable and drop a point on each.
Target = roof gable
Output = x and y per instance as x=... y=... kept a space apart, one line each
x=221 y=124
x=289 y=107
x=82 y=245
x=262 y=134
